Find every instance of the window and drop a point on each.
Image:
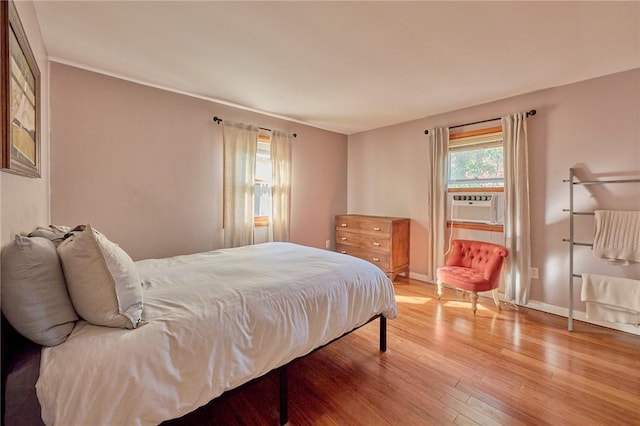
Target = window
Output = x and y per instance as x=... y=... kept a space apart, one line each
x=476 y=159
x=262 y=209
x=257 y=184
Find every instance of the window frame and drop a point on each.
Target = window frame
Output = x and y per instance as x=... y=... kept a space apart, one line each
x=475 y=226
x=264 y=137
x=487 y=137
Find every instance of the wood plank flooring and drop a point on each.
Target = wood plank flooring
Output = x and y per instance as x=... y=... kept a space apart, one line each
x=445 y=367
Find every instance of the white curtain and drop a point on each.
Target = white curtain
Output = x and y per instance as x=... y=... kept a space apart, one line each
x=436 y=197
x=280 y=185
x=516 y=216
x=240 y=145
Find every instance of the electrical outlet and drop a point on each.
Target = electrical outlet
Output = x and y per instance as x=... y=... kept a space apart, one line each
x=533 y=273
x=327 y=244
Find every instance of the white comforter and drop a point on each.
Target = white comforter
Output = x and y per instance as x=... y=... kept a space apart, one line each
x=215 y=321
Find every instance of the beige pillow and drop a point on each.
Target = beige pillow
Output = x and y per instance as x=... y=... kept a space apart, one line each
x=34 y=295
x=102 y=279
x=54 y=233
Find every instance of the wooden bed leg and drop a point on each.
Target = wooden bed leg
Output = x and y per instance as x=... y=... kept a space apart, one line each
x=284 y=396
x=383 y=334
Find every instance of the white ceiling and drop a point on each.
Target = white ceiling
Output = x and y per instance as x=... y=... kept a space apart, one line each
x=346 y=66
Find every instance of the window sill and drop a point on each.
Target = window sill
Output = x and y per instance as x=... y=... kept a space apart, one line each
x=261 y=221
x=476 y=226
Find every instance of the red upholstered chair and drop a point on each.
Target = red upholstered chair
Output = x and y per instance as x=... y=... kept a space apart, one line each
x=473 y=266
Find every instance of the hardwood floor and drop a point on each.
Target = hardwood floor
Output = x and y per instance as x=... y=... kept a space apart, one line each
x=445 y=367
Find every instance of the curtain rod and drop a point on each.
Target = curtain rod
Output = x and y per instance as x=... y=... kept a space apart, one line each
x=218 y=120
x=528 y=114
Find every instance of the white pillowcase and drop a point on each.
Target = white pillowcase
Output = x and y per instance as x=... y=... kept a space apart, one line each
x=102 y=280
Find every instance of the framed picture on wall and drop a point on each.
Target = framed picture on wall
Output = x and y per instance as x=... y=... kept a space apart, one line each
x=20 y=97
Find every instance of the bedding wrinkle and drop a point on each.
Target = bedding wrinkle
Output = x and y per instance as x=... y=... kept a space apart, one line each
x=215 y=321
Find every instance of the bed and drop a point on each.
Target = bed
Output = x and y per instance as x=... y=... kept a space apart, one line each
x=212 y=322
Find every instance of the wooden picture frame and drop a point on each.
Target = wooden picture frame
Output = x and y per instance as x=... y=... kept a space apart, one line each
x=20 y=90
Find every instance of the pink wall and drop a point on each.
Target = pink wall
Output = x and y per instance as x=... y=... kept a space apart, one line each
x=593 y=124
x=137 y=162
x=144 y=166
x=24 y=202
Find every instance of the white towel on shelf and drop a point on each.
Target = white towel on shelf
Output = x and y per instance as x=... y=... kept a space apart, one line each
x=617 y=236
x=611 y=299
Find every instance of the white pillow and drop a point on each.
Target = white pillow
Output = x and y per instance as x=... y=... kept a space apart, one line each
x=102 y=279
x=34 y=295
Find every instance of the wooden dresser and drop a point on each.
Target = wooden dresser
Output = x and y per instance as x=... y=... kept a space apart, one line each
x=383 y=241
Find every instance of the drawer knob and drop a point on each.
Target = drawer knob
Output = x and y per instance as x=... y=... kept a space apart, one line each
x=375 y=259
x=375 y=228
x=344 y=238
x=343 y=251
x=377 y=244
x=344 y=225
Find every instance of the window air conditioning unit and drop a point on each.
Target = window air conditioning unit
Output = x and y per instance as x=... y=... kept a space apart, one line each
x=477 y=207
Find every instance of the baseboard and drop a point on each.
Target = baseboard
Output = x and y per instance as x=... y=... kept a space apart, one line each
x=581 y=316
x=419 y=277
x=553 y=309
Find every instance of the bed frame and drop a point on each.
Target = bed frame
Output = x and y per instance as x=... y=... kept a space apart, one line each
x=284 y=398
x=20 y=366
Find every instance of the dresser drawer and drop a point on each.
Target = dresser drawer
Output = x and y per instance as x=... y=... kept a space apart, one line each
x=381 y=240
x=361 y=240
x=380 y=259
x=374 y=226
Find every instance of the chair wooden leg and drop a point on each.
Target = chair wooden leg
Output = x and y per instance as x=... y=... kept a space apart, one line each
x=439 y=289
x=494 y=293
x=474 y=301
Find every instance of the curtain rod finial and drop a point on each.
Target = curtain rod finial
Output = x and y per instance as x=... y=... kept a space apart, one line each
x=217 y=119
x=426 y=132
x=532 y=112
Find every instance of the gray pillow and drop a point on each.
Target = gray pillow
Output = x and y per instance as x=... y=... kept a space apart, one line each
x=34 y=295
x=102 y=279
